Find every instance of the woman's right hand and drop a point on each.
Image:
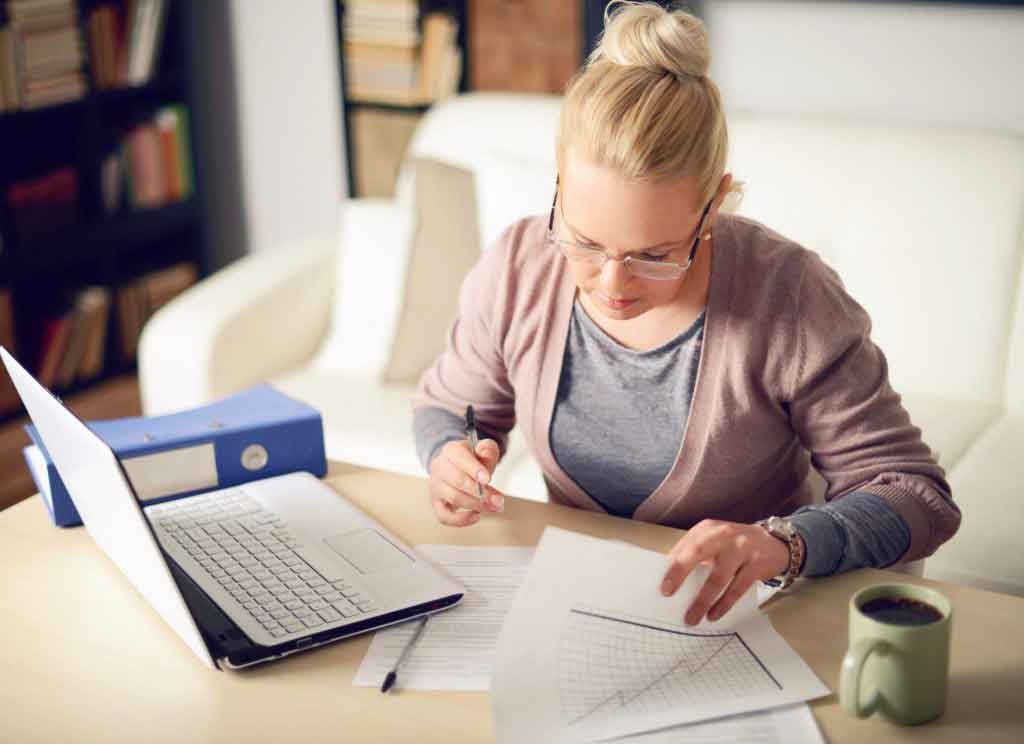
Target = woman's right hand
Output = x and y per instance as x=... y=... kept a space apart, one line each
x=454 y=473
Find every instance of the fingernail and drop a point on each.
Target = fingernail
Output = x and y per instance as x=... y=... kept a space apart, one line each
x=497 y=502
x=666 y=587
x=691 y=618
x=483 y=476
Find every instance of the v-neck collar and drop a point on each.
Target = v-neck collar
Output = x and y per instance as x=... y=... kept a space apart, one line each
x=680 y=476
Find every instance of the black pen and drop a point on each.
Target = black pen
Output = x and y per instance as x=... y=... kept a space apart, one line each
x=473 y=441
x=389 y=680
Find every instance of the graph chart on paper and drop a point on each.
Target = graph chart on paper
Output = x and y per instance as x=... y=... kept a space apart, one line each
x=609 y=665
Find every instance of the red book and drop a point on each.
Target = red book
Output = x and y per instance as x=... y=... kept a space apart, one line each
x=148 y=184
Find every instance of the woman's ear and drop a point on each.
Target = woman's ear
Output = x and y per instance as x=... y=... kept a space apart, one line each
x=723 y=191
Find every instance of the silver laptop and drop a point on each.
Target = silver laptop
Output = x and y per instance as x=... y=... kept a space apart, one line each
x=244 y=574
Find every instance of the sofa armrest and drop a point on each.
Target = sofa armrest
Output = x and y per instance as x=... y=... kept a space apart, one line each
x=260 y=316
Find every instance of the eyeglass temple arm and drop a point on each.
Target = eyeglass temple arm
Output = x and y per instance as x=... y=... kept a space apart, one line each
x=700 y=229
x=554 y=201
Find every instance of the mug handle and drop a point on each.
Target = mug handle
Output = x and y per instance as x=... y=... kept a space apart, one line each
x=849 y=679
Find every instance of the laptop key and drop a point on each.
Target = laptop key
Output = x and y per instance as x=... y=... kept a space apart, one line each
x=294 y=604
x=329 y=614
x=292 y=626
x=345 y=608
x=312 y=621
x=317 y=606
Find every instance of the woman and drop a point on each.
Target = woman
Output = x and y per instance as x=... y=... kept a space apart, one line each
x=673 y=364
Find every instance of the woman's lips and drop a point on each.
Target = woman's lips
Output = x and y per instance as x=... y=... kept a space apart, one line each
x=615 y=304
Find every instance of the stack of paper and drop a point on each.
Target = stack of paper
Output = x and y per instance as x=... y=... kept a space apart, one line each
x=592 y=651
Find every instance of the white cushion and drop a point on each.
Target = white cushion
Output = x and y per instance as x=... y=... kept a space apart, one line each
x=376 y=238
x=949 y=425
x=922 y=225
x=463 y=130
x=370 y=424
x=509 y=188
x=1015 y=364
x=986 y=552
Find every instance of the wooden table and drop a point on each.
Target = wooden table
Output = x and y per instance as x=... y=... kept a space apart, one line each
x=85 y=659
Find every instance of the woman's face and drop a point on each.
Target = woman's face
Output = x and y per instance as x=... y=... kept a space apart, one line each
x=600 y=208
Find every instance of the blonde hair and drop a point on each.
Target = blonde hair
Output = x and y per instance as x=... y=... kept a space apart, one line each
x=643 y=103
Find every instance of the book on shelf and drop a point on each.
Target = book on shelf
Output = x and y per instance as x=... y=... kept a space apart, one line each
x=125 y=41
x=139 y=299
x=83 y=356
x=71 y=344
x=52 y=345
x=412 y=73
x=41 y=54
x=45 y=204
x=9 y=400
x=152 y=167
x=391 y=22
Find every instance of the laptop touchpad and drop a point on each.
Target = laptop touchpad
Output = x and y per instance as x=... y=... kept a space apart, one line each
x=368 y=551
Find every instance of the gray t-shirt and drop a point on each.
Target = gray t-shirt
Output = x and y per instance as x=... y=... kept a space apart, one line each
x=620 y=414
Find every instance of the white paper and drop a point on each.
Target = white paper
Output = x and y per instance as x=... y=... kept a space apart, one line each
x=456 y=651
x=790 y=724
x=591 y=650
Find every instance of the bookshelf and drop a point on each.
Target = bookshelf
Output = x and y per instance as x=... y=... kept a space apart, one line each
x=377 y=130
x=135 y=214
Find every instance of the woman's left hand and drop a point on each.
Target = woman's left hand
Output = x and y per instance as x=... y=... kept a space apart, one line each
x=738 y=554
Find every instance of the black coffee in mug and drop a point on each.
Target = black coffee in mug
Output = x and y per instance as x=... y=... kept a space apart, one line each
x=900 y=611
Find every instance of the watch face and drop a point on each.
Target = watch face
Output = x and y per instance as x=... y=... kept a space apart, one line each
x=781 y=525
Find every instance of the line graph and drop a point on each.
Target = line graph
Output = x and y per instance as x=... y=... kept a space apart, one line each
x=611 y=665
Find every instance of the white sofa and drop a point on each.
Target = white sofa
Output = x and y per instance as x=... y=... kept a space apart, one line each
x=926 y=227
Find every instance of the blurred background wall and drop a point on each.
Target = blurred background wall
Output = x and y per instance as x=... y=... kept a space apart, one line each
x=924 y=62
x=266 y=84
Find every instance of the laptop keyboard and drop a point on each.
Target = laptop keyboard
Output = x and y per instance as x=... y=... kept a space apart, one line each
x=253 y=556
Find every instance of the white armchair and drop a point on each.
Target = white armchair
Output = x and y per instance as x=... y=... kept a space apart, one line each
x=924 y=226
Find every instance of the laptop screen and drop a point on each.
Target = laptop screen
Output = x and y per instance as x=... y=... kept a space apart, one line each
x=108 y=506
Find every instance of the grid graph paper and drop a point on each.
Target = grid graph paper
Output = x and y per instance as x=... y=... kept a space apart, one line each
x=608 y=666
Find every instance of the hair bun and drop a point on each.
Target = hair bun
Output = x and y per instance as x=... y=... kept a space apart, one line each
x=649 y=36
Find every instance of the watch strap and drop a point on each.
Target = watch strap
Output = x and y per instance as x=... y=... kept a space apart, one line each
x=783 y=530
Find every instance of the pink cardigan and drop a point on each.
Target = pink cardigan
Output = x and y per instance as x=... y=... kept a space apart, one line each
x=788 y=375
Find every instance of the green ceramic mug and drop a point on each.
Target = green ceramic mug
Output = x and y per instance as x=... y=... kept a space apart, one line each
x=898 y=660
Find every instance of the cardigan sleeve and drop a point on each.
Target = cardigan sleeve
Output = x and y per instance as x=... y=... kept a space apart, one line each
x=471 y=369
x=846 y=413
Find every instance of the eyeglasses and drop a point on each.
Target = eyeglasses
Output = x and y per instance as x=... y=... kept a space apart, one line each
x=639 y=267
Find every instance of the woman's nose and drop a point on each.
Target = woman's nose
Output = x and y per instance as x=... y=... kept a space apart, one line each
x=614 y=276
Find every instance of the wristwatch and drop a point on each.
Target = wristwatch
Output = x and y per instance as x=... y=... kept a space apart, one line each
x=784 y=530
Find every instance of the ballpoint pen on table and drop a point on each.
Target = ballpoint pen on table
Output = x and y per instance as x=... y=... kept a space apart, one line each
x=473 y=441
x=392 y=676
